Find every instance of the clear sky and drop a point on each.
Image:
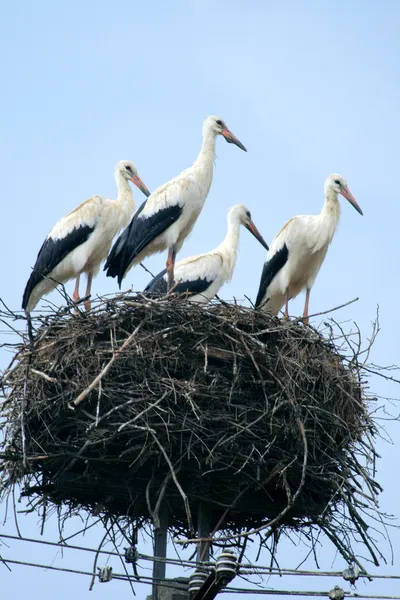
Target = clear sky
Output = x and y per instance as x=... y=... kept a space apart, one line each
x=309 y=87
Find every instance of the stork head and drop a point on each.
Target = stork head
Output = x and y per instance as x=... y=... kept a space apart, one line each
x=241 y=214
x=338 y=184
x=129 y=171
x=217 y=126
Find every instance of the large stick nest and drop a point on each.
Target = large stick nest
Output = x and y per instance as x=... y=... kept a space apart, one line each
x=143 y=404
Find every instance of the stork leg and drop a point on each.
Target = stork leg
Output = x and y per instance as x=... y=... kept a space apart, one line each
x=75 y=295
x=287 y=305
x=305 y=313
x=170 y=266
x=87 y=302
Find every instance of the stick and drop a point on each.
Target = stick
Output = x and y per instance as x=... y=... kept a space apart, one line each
x=178 y=485
x=44 y=376
x=147 y=270
x=143 y=412
x=325 y=312
x=108 y=366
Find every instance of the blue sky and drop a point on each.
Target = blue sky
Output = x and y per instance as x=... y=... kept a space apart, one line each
x=310 y=88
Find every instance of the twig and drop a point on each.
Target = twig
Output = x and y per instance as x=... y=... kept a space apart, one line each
x=147 y=270
x=96 y=559
x=44 y=376
x=143 y=412
x=108 y=366
x=178 y=485
x=325 y=312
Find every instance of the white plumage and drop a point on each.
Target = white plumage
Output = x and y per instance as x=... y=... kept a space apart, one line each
x=298 y=251
x=202 y=276
x=168 y=216
x=81 y=240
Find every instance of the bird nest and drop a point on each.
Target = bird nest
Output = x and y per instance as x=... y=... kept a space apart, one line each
x=143 y=404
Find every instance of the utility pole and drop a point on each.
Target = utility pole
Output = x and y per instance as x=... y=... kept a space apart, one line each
x=204 y=518
x=203 y=584
x=160 y=550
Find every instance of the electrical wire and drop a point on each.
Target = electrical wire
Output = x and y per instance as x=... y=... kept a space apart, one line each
x=172 y=561
x=304 y=593
x=245 y=568
x=123 y=577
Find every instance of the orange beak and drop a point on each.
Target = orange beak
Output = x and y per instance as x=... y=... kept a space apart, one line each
x=139 y=183
x=253 y=229
x=346 y=193
x=232 y=139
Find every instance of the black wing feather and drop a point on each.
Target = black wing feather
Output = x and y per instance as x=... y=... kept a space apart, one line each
x=135 y=238
x=116 y=252
x=158 y=286
x=51 y=254
x=271 y=268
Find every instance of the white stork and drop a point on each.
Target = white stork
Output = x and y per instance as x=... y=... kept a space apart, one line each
x=298 y=251
x=202 y=276
x=168 y=216
x=81 y=240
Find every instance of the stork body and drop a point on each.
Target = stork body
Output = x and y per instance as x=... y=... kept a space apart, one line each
x=202 y=276
x=81 y=240
x=168 y=216
x=298 y=251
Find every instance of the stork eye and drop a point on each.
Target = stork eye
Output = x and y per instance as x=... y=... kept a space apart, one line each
x=248 y=214
x=128 y=168
x=219 y=122
x=337 y=181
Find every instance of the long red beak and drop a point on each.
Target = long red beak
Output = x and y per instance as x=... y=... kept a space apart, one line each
x=139 y=183
x=346 y=193
x=253 y=229
x=232 y=139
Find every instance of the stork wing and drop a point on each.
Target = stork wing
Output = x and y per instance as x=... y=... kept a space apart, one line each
x=70 y=232
x=193 y=275
x=142 y=230
x=271 y=268
x=277 y=257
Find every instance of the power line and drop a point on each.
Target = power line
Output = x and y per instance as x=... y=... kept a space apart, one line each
x=303 y=593
x=172 y=561
x=245 y=568
x=229 y=590
x=7 y=561
x=261 y=570
x=117 y=576
x=123 y=577
x=58 y=544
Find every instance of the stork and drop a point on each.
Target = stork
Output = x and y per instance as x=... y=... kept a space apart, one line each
x=298 y=251
x=202 y=276
x=168 y=216
x=81 y=240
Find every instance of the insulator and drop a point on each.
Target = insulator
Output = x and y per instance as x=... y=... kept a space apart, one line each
x=196 y=580
x=226 y=565
x=336 y=594
x=130 y=555
x=351 y=574
x=105 y=574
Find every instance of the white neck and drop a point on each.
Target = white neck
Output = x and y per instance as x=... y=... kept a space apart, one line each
x=331 y=208
x=124 y=203
x=204 y=163
x=229 y=247
x=330 y=213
